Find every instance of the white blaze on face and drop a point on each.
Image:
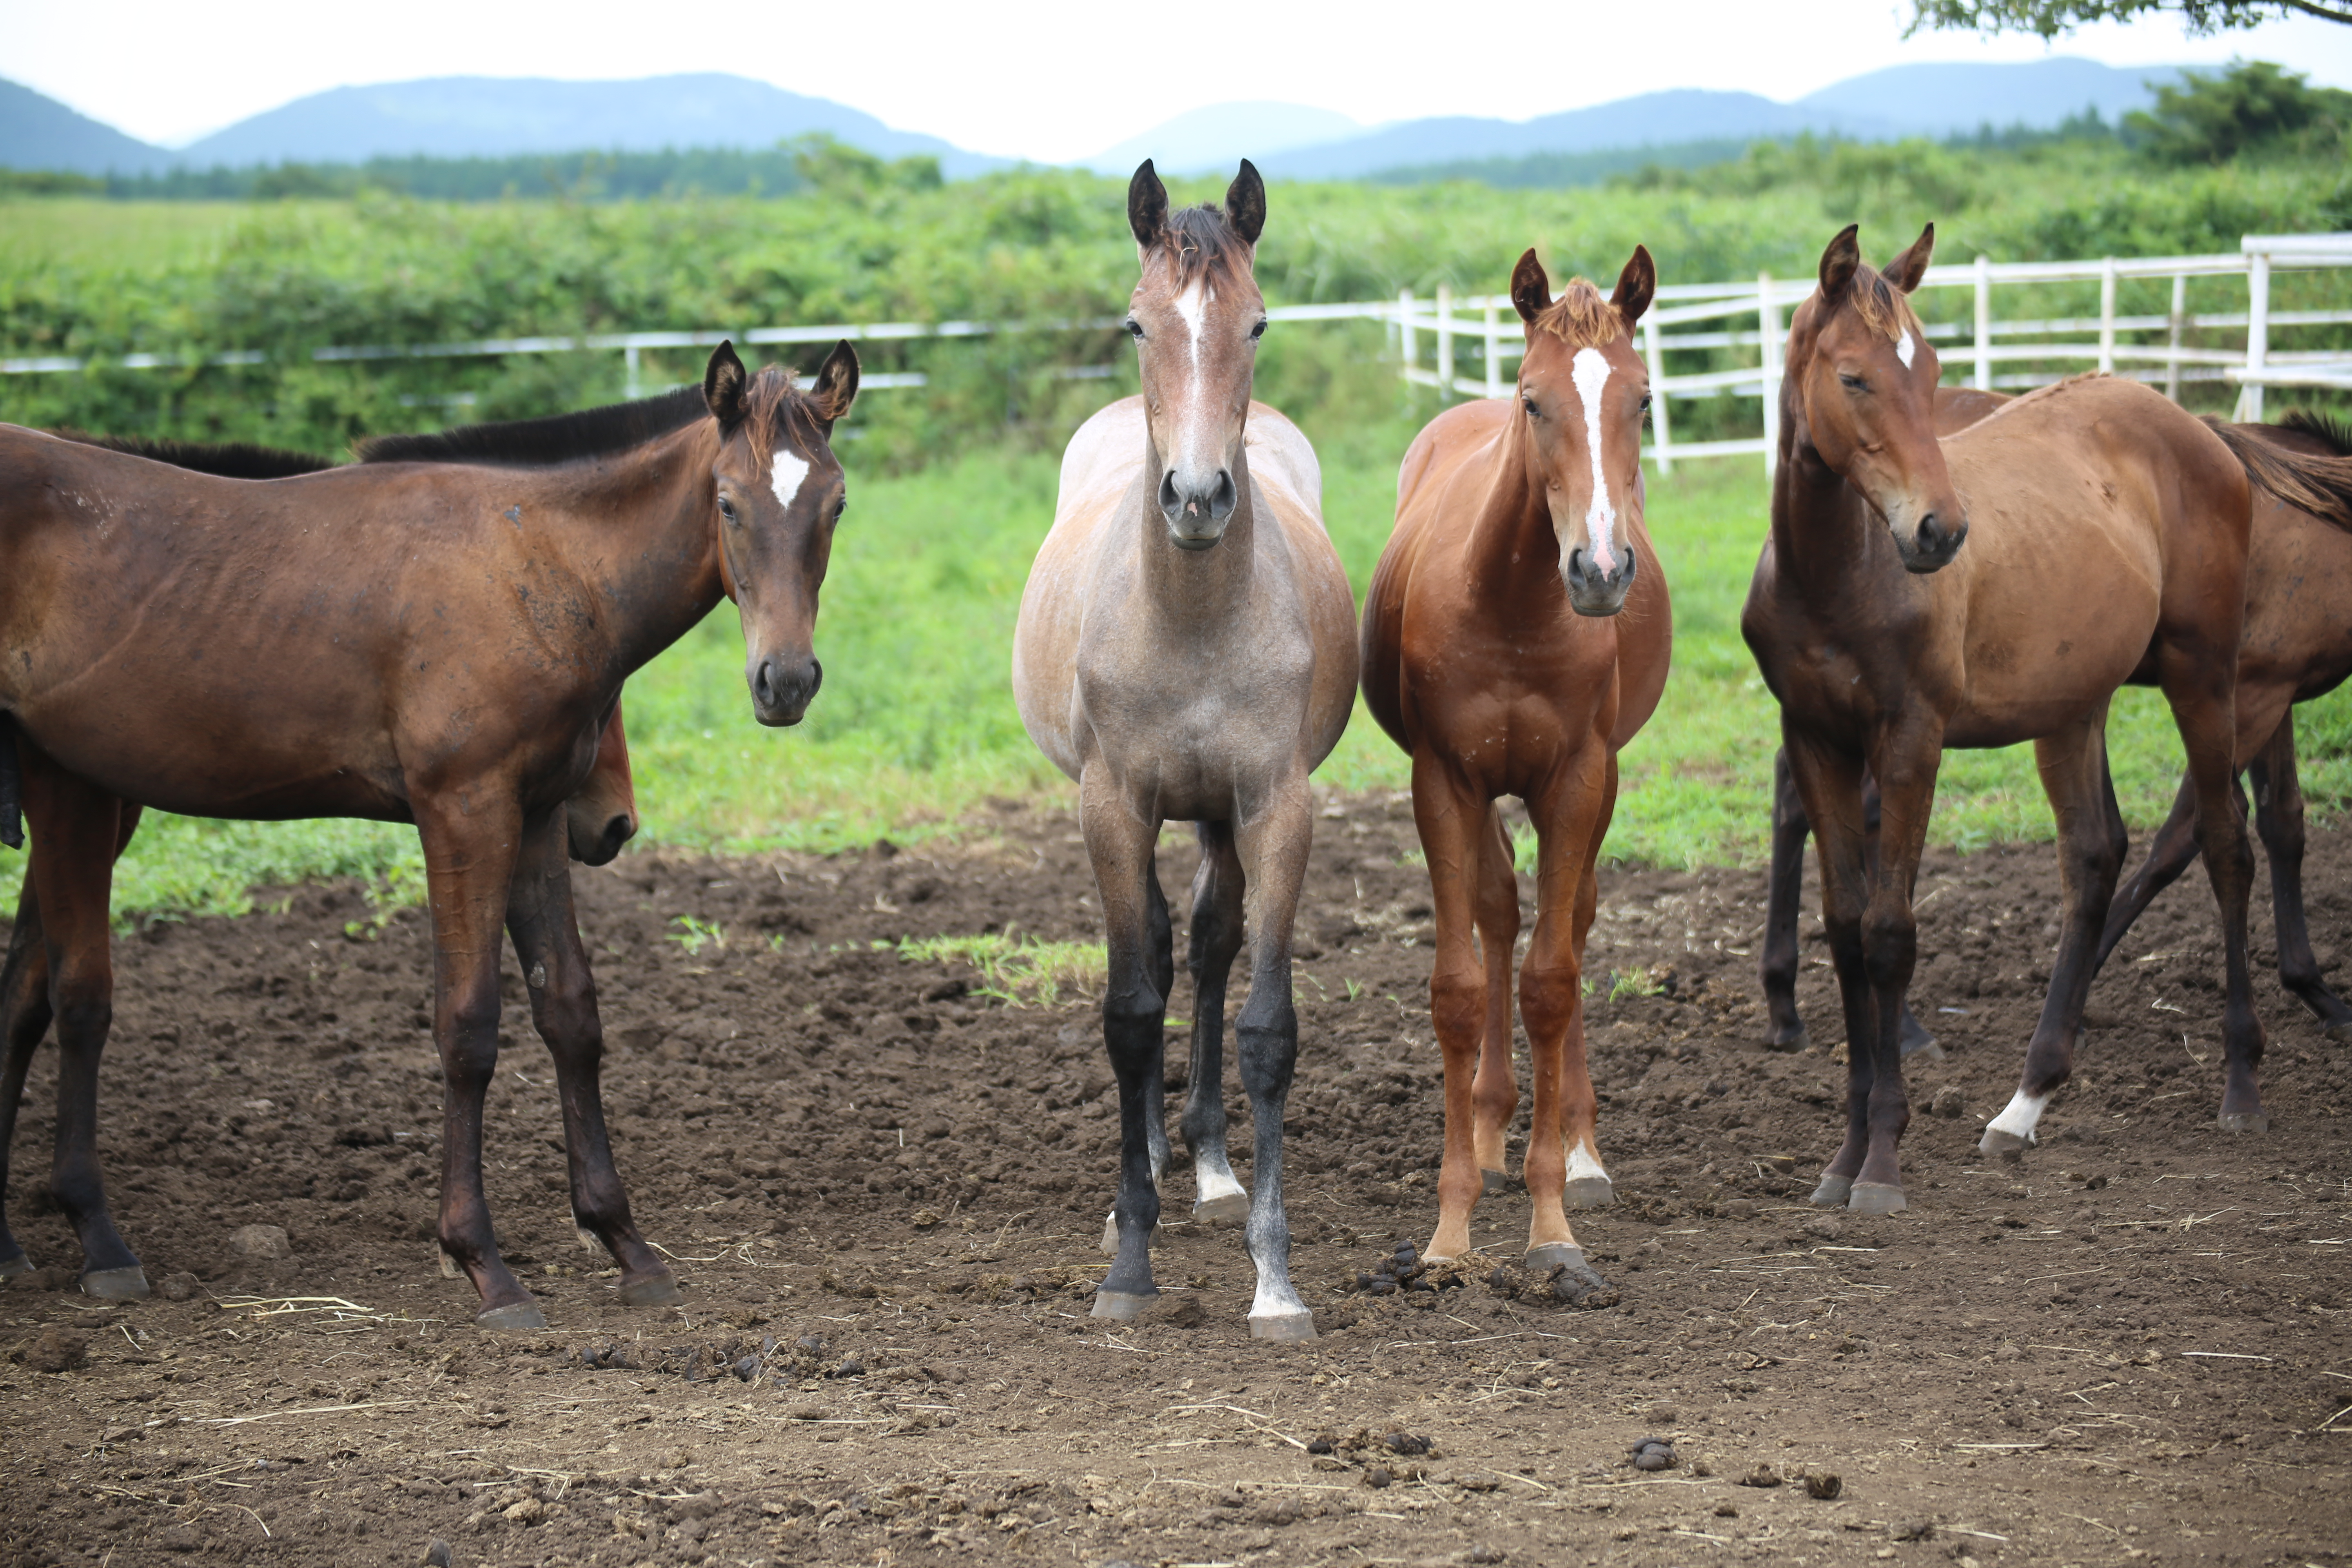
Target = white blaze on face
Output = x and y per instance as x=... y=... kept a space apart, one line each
x=1589 y=371
x=792 y=472
x=1905 y=349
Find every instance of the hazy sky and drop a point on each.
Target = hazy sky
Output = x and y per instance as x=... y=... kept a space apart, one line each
x=1048 y=79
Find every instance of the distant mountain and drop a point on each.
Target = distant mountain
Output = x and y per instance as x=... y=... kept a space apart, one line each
x=1217 y=138
x=460 y=117
x=38 y=132
x=1900 y=100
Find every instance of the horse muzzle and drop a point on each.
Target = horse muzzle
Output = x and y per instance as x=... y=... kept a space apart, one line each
x=1197 y=509
x=783 y=689
x=1594 y=593
x=594 y=843
x=1932 y=544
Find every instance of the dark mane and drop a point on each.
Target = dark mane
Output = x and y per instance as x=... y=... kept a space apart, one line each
x=1199 y=239
x=542 y=443
x=2328 y=428
x=228 y=460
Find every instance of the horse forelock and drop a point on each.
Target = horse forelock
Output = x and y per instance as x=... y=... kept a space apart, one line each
x=1199 y=241
x=1883 y=308
x=775 y=410
x=1582 y=317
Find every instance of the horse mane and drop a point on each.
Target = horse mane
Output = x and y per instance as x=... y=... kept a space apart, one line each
x=2331 y=429
x=226 y=460
x=546 y=442
x=2320 y=486
x=1884 y=308
x=1582 y=318
x=1200 y=240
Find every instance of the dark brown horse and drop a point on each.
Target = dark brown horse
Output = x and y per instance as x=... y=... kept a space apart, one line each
x=1516 y=637
x=2105 y=538
x=2297 y=647
x=437 y=634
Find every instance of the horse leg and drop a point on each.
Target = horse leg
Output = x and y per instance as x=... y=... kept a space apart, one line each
x=2169 y=854
x=1905 y=765
x=1589 y=1186
x=1452 y=819
x=2198 y=682
x=1495 y=1091
x=24 y=1019
x=546 y=932
x=1914 y=1034
x=1219 y=890
x=1830 y=784
x=2278 y=815
x=469 y=859
x=1121 y=844
x=1783 y=893
x=2091 y=849
x=78 y=829
x=1158 y=948
x=1273 y=842
x=1571 y=810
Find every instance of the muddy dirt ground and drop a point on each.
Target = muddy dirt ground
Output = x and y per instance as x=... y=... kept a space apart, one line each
x=884 y=1194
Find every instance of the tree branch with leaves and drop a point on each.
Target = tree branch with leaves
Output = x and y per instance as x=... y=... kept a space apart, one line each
x=2049 y=18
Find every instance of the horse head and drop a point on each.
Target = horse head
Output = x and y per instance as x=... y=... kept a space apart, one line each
x=778 y=494
x=1582 y=393
x=1196 y=317
x=601 y=814
x=1864 y=375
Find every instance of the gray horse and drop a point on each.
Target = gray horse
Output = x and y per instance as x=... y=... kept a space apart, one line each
x=1187 y=652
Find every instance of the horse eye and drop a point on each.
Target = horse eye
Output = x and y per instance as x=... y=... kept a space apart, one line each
x=1533 y=412
x=1852 y=383
x=1135 y=329
x=1646 y=403
x=726 y=508
x=1257 y=331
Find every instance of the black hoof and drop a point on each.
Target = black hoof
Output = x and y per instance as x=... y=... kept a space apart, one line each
x=1876 y=1197
x=1493 y=1183
x=1793 y=1040
x=653 y=1291
x=116 y=1284
x=1833 y=1192
x=12 y=1267
x=1121 y=1305
x=519 y=1317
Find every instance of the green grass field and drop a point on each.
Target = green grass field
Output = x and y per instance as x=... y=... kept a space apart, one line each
x=915 y=725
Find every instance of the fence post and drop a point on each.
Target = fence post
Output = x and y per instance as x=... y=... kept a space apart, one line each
x=1768 y=322
x=1494 y=356
x=1984 y=324
x=1408 y=352
x=635 y=385
x=2107 y=315
x=2179 y=321
x=1662 y=449
x=1444 y=341
x=2258 y=337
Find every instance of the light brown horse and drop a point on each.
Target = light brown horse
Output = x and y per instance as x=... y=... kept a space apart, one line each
x=1516 y=637
x=435 y=634
x=2106 y=537
x=1186 y=653
x=2297 y=647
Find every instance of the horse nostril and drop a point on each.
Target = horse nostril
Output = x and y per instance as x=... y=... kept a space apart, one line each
x=620 y=830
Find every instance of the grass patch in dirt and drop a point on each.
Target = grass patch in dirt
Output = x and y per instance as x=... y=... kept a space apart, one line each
x=1015 y=968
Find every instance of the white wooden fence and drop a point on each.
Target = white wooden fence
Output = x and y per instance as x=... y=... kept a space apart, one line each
x=1752 y=313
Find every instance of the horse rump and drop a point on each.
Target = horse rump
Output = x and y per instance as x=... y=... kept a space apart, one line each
x=2321 y=486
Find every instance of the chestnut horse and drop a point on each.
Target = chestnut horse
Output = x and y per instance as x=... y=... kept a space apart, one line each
x=1516 y=637
x=435 y=634
x=2297 y=646
x=1886 y=642
x=1185 y=652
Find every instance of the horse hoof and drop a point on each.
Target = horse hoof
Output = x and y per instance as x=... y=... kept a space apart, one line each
x=1232 y=1207
x=1588 y=1193
x=1793 y=1042
x=1551 y=1255
x=519 y=1317
x=2245 y=1121
x=1923 y=1050
x=1123 y=1306
x=12 y=1267
x=1288 y=1328
x=1493 y=1183
x=652 y=1291
x=1876 y=1197
x=2341 y=1030
x=2008 y=1145
x=116 y=1284
x=1833 y=1192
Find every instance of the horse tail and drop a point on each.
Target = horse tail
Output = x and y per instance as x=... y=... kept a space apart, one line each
x=12 y=786
x=2320 y=486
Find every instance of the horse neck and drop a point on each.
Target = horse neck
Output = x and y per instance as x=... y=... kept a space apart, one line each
x=1512 y=550
x=1821 y=525
x=1197 y=589
x=644 y=539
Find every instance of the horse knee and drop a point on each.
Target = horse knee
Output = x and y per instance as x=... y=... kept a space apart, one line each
x=1548 y=995
x=1457 y=1002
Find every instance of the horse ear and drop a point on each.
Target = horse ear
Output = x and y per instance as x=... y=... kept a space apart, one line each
x=836 y=384
x=723 y=381
x=1838 y=263
x=1906 y=270
x=1246 y=203
x=1147 y=206
x=1636 y=286
x=1531 y=290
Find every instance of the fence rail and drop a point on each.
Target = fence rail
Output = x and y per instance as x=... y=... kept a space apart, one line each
x=1490 y=325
